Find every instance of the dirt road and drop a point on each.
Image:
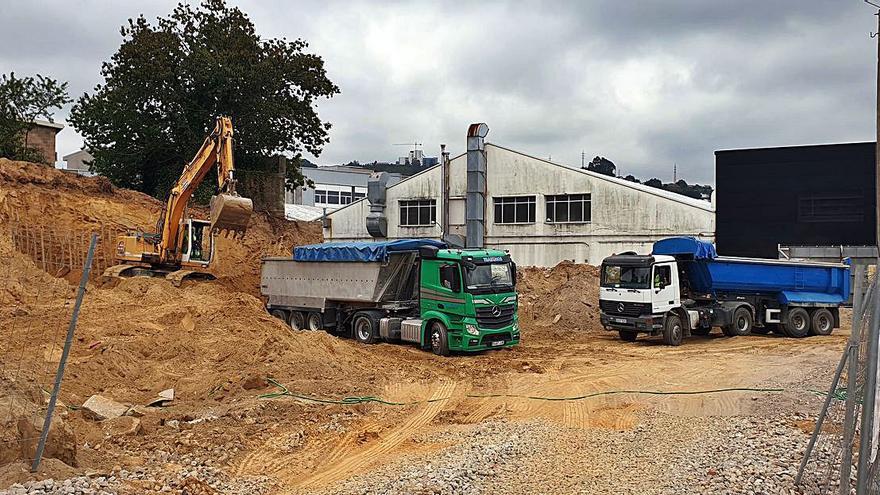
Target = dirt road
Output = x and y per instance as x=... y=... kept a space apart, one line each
x=368 y=453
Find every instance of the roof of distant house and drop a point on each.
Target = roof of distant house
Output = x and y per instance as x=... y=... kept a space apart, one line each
x=46 y=123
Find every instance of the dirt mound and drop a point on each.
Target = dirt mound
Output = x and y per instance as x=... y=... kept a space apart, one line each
x=561 y=299
x=50 y=204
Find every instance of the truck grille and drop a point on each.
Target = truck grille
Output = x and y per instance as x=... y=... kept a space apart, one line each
x=624 y=308
x=492 y=317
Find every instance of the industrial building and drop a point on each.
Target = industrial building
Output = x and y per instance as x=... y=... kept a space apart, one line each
x=540 y=211
x=819 y=195
x=334 y=186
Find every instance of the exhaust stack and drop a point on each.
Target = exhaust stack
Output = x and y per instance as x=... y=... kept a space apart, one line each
x=475 y=201
x=377 y=187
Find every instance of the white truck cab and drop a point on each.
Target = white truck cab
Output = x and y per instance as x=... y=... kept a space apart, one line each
x=637 y=291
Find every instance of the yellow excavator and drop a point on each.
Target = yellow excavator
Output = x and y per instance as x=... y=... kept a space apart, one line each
x=182 y=248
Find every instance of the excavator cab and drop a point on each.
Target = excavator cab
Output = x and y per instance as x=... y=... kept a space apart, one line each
x=197 y=242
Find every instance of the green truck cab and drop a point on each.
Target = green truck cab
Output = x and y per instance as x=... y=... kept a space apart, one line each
x=409 y=290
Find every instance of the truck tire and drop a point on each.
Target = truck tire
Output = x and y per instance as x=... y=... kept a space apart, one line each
x=365 y=328
x=280 y=314
x=314 y=321
x=628 y=335
x=439 y=339
x=297 y=321
x=672 y=330
x=797 y=323
x=741 y=324
x=822 y=322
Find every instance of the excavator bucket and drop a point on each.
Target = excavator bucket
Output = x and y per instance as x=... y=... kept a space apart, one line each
x=230 y=213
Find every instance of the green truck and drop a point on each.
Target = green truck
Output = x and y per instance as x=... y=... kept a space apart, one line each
x=410 y=290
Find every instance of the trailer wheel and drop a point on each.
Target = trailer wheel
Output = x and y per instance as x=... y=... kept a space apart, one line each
x=822 y=322
x=365 y=328
x=439 y=339
x=627 y=335
x=797 y=324
x=280 y=314
x=314 y=321
x=297 y=320
x=742 y=322
x=672 y=330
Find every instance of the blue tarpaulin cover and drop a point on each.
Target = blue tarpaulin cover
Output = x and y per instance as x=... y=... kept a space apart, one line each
x=359 y=251
x=701 y=250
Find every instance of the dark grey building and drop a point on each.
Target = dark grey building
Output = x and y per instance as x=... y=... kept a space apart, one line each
x=819 y=195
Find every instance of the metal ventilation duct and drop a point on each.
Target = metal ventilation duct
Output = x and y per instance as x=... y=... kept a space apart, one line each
x=475 y=201
x=377 y=188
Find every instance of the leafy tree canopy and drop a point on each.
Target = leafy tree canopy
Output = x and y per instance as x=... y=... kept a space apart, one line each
x=22 y=100
x=602 y=165
x=168 y=82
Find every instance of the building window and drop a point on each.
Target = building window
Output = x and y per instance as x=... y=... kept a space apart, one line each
x=418 y=212
x=814 y=208
x=518 y=209
x=345 y=197
x=568 y=208
x=359 y=195
x=332 y=197
x=320 y=196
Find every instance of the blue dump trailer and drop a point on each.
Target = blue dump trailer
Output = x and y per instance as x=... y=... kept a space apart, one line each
x=684 y=288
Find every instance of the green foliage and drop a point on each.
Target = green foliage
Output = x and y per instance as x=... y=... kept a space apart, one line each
x=168 y=82
x=22 y=100
x=602 y=165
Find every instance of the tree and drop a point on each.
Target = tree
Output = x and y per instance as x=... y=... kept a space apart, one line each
x=168 y=81
x=23 y=100
x=603 y=166
x=654 y=183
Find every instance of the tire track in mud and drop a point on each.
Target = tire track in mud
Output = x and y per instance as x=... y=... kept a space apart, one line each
x=348 y=457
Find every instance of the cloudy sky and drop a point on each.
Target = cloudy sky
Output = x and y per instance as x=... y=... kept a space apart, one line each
x=647 y=84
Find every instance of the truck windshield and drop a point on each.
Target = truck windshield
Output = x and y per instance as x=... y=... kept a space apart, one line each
x=626 y=277
x=488 y=277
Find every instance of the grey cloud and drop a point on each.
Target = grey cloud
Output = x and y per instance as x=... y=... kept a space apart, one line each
x=644 y=83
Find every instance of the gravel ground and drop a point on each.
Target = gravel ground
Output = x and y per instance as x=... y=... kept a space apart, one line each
x=663 y=455
x=165 y=472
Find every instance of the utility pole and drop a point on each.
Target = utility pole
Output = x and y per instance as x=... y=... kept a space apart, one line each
x=583 y=158
x=674 y=173
x=867 y=425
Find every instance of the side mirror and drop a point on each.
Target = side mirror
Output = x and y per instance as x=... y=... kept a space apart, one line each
x=513 y=272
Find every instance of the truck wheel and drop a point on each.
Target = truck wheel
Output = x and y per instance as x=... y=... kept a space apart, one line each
x=280 y=314
x=672 y=330
x=742 y=322
x=797 y=323
x=822 y=322
x=627 y=335
x=297 y=320
x=365 y=328
x=439 y=339
x=314 y=321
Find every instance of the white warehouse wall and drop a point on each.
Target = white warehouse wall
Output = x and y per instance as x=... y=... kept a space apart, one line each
x=624 y=216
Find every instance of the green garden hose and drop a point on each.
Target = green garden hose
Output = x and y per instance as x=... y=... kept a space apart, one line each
x=284 y=392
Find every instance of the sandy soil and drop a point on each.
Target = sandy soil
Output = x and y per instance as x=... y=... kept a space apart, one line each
x=215 y=345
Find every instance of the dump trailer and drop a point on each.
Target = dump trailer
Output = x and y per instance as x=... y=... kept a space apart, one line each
x=410 y=290
x=684 y=288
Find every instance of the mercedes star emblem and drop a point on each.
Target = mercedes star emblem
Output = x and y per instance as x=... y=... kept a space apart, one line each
x=620 y=307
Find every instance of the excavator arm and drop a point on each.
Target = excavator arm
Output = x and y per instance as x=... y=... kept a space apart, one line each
x=229 y=211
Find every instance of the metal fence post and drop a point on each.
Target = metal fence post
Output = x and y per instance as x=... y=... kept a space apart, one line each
x=866 y=435
x=47 y=423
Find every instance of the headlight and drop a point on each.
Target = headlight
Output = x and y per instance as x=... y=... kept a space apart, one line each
x=471 y=329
